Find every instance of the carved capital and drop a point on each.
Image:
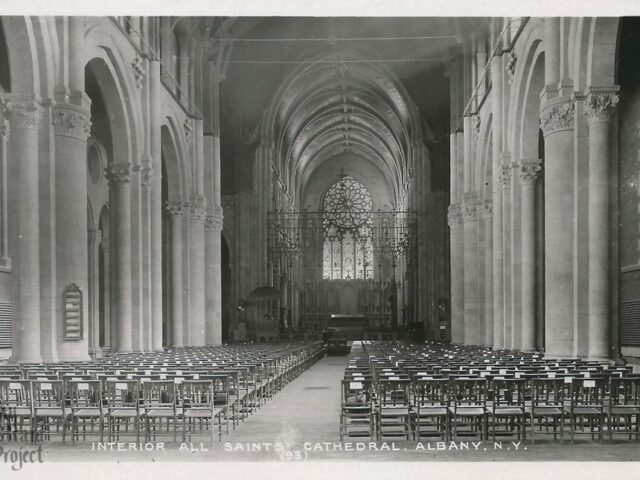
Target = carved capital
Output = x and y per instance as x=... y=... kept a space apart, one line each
x=138 y=70
x=214 y=223
x=529 y=170
x=24 y=113
x=118 y=173
x=477 y=124
x=197 y=210
x=146 y=175
x=487 y=209
x=454 y=217
x=188 y=130
x=71 y=121
x=558 y=116
x=512 y=61
x=470 y=207
x=176 y=209
x=505 y=176
x=599 y=104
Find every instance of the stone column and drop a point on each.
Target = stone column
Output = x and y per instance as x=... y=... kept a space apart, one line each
x=177 y=212
x=213 y=229
x=119 y=177
x=155 y=206
x=197 y=330
x=498 y=260
x=507 y=318
x=24 y=115
x=5 y=260
x=471 y=313
x=457 y=274
x=528 y=173
x=106 y=262
x=487 y=211
x=599 y=105
x=557 y=123
x=71 y=125
x=95 y=237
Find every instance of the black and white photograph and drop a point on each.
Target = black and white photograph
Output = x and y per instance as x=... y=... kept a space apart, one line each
x=278 y=240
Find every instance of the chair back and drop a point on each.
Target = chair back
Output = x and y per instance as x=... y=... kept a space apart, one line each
x=85 y=393
x=48 y=393
x=159 y=394
x=468 y=392
x=431 y=392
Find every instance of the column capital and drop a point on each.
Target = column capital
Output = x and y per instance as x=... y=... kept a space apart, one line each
x=600 y=103
x=118 y=173
x=71 y=121
x=557 y=115
x=486 y=209
x=139 y=72
x=176 y=209
x=197 y=210
x=529 y=169
x=505 y=175
x=145 y=170
x=477 y=125
x=24 y=111
x=454 y=217
x=470 y=207
x=214 y=223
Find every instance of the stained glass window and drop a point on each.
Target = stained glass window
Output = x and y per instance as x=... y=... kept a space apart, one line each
x=346 y=223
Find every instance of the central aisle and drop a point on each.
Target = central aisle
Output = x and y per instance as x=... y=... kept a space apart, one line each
x=306 y=410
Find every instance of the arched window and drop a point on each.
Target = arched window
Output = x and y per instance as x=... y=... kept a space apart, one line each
x=346 y=224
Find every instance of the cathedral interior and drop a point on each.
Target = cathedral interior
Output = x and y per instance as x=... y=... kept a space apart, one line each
x=187 y=189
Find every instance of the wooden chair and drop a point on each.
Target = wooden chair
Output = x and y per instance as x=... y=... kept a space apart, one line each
x=356 y=410
x=85 y=399
x=586 y=406
x=430 y=407
x=547 y=406
x=468 y=407
x=49 y=413
x=158 y=404
x=16 y=410
x=394 y=407
x=195 y=399
x=507 y=407
x=624 y=406
x=123 y=407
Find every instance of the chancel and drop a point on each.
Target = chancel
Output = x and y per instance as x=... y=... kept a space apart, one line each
x=195 y=211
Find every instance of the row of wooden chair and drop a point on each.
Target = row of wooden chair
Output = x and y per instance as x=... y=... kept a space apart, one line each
x=426 y=392
x=156 y=395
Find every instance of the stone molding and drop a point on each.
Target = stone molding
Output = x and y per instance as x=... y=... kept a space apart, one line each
x=512 y=62
x=71 y=121
x=558 y=115
x=188 y=130
x=118 y=173
x=197 y=210
x=600 y=103
x=214 y=223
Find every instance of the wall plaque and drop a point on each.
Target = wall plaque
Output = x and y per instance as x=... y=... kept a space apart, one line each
x=72 y=313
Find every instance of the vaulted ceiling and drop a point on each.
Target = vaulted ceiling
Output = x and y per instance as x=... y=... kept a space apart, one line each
x=366 y=86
